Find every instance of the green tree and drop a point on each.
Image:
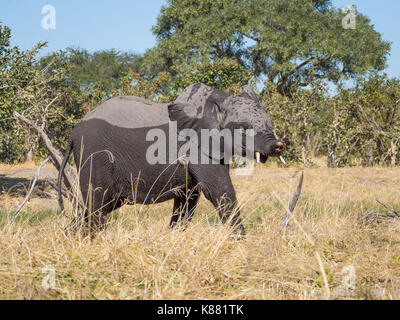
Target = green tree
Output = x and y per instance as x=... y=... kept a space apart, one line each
x=357 y=126
x=291 y=43
x=301 y=120
x=43 y=94
x=367 y=122
x=224 y=74
x=221 y=73
x=98 y=70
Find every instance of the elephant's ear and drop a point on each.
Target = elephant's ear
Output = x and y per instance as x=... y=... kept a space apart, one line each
x=181 y=113
x=248 y=92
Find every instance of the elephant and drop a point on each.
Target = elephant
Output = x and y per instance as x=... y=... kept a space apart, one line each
x=111 y=145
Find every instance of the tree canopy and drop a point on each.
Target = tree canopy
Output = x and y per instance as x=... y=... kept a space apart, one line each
x=102 y=69
x=289 y=42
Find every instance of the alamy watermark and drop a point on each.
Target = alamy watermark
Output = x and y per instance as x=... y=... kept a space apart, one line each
x=49 y=18
x=349 y=20
x=349 y=279
x=348 y=282
x=206 y=146
x=349 y=285
x=49 y=280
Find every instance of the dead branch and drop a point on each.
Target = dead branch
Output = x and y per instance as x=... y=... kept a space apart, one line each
x=370 y=217
x=394 y=212
x=70 y=178
x=307 y=236
x=372 y=122
x=36 y=177
x=285 y=221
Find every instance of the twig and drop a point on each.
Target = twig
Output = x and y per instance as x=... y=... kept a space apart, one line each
x=36 y=177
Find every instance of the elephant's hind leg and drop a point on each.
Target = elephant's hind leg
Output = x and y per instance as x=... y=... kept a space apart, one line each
x=94 y=217
x=185 y=206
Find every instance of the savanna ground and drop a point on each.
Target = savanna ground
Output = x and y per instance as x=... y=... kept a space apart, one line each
x=138 y=257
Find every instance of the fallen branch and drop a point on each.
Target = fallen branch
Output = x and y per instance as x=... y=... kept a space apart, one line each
x=372 y=217
x=36 y=177
x=307 y=236
x=285 y=221
x=394 y=212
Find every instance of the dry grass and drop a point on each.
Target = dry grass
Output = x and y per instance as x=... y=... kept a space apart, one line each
x=138 y=257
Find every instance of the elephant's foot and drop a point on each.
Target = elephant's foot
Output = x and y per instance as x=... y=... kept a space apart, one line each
x=239 y=233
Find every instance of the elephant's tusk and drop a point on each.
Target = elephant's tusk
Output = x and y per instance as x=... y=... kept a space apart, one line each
x=258 y=157
x=282 y=160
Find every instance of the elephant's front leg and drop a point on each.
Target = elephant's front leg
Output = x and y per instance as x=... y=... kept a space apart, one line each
x=226 y=204
x=217 y=187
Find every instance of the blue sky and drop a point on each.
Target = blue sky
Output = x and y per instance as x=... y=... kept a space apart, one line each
x=126 y=24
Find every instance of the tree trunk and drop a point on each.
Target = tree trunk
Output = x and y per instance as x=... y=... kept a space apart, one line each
x=370 y=162
x=304 y=154
x=393 y=154
x=34 y=145
x=331 y=157
x=29 y=156
x=332 y=161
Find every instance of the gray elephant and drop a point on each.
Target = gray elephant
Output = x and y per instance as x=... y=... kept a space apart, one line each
x=111 y=150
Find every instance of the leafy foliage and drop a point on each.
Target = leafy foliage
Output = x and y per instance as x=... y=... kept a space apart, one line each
x=358 y=126
x=289 y=42
x=46 y=95
x=101 y=69
x=367 y=122
x=223 y=74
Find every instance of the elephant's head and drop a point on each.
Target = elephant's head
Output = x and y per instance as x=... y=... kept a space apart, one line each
x=202 y=107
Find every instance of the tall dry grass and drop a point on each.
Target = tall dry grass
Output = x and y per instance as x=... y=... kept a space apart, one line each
x=138 y=257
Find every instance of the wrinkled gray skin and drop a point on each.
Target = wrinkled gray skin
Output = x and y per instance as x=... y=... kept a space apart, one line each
x=109 y=147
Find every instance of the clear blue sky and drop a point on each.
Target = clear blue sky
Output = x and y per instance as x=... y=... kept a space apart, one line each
x=126 y=24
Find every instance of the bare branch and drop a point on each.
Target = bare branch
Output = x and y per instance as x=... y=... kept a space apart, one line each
x=28 y=195
x=285 y=221
x=394 y=212
x=70 y=178
x=372 y=122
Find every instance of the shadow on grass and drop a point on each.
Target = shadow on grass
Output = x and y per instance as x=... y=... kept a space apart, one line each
x=18 y=187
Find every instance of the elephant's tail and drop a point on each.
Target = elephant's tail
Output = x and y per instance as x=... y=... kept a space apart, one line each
x=61 y=173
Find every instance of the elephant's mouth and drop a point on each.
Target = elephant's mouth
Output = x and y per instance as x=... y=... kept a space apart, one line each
x=275 y=151
x=260 y=158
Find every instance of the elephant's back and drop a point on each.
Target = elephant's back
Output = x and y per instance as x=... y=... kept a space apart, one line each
x=130 y=112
